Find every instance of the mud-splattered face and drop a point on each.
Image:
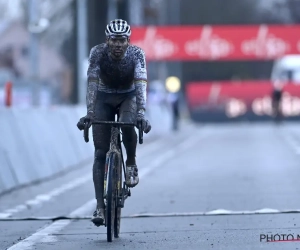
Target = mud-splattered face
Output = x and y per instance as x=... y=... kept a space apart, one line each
x=117 y=45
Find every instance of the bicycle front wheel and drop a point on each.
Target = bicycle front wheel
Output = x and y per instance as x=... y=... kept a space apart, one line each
x=111 y=196
x=119 y=194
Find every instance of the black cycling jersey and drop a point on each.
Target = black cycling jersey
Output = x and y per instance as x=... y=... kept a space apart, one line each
x=108 y=75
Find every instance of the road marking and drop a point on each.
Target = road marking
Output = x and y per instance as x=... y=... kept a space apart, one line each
x=214 y=212
x=89 y=206
x=43 y=235
x=46 y=197
x=46 y=234
x=173 y=152
x=42 y=198
x=294 y=144
x=150 y=149
x=153 y=145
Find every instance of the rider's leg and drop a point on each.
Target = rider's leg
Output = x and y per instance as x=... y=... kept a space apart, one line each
x=129 y=140
x=101 y=137
x=128 y=114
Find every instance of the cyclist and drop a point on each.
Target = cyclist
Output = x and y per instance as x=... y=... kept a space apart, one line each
x=117 y=81
x=276 y=99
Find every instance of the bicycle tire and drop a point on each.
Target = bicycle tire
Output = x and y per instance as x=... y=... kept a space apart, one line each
x=110 y=197
x=117 y=222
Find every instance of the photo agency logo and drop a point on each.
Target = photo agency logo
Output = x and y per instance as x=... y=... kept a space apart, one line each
x=279 y=237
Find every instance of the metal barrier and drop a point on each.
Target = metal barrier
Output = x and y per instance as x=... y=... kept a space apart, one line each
x=37 y=143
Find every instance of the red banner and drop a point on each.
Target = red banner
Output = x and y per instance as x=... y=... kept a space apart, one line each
x=236 y=99
x=196 y=43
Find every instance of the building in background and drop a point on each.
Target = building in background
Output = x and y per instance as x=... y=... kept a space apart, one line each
x=54 y=67
x=59 y=43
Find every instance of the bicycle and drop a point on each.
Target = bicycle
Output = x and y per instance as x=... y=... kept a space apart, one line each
x=114 y=194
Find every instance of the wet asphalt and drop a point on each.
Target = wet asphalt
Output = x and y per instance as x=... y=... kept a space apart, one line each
x=206 y=186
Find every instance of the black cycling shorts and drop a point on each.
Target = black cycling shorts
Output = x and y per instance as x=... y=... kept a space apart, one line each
x=106 y=107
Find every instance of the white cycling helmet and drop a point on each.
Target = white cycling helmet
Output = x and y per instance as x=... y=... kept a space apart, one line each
x=118 y=27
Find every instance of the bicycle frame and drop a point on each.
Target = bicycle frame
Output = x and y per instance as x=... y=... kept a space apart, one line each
x=116 y=148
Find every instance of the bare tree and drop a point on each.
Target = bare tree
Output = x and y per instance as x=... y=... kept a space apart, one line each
x=11 y=10
x=279 y=11
x=217 y=12
x=294 y=6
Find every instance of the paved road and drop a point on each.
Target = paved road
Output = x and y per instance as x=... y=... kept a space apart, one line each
x=225 y=186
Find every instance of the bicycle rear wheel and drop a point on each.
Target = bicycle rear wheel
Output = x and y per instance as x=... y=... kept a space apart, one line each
x=111 y=196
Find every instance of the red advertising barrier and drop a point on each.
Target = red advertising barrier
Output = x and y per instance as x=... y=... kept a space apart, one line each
x=196 y=43
x=238 y=99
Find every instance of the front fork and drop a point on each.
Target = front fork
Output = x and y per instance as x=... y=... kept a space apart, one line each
x=105 y=178
x=122 y=192
x=118 y=173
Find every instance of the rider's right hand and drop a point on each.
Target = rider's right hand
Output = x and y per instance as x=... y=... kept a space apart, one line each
x=89 y=118
x=142 y=123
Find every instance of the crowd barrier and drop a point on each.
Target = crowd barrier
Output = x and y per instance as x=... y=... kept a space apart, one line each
x=38 y=143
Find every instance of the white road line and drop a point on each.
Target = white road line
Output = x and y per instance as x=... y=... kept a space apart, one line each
x=46 y=234
x=192 y=141
x=153 y=146
x=43 y=235
x=89 y=206
x=42 y=198
x=215 y=212
x=46 y=197
x=171 y=153
x=294 y=144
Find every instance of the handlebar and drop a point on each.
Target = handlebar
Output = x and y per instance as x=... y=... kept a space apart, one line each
x=112 y=124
